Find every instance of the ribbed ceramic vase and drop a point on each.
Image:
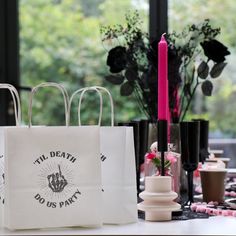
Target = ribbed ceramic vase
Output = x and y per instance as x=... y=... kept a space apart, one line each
x=158 y=199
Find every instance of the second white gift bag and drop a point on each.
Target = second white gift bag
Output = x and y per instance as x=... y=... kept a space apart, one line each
x=17 y=112
x=118 y=169
x=53 y=176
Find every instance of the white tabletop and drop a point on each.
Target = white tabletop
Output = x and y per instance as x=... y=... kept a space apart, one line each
x=215 y=225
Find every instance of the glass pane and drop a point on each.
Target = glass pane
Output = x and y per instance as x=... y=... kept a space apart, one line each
x=220 y=107
x=60 y=41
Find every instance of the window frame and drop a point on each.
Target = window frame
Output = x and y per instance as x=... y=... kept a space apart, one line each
x=9 y=46
x=158 y=18
x=9 y=56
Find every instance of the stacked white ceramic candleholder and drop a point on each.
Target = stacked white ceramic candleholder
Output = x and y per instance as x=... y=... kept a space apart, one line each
x=158 y=199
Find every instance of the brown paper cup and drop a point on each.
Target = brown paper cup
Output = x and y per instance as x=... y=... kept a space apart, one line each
x=213 y=185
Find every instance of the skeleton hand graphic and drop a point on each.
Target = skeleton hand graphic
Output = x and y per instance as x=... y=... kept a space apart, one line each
x=57 y=181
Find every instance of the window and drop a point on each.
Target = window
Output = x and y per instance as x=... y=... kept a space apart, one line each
x=220 y=107
x=60 y=42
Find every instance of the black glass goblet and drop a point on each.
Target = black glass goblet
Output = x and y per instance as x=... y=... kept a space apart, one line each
x=189 y=136
x=204 y=133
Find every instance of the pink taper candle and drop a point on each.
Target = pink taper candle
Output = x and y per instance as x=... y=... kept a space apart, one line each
x=168 y=113
x=162 y=80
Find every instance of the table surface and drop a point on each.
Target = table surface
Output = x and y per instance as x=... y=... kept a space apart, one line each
x=215 y=225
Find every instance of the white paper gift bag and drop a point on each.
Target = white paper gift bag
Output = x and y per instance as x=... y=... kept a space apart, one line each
x=118 y=170
x=17 y=112
x=53 y=176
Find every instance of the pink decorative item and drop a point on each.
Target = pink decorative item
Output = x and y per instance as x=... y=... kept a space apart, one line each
x=207 y=208
x=154 y=158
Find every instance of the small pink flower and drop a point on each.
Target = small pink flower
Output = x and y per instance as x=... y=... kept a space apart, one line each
x=200 y=209
x=171 y=158
x=234 y=214
x=209 y=211
x=150 y=155
x=230 y=212
x=219 y=212
x=193 y=207
x=227 y=193
x=212 y=212
x=225 y=213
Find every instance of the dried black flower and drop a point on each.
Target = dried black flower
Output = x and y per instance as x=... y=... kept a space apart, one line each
x=137 y=61
x=117 y=59
x=215 y=50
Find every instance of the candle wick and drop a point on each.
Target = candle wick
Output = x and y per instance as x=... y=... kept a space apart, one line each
x=163 y=36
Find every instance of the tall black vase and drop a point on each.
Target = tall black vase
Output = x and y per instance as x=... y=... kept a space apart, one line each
x=204 y=133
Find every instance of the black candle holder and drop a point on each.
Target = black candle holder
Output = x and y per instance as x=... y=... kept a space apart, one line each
x=189 y=135
x=204 y=133
x=162 y=142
